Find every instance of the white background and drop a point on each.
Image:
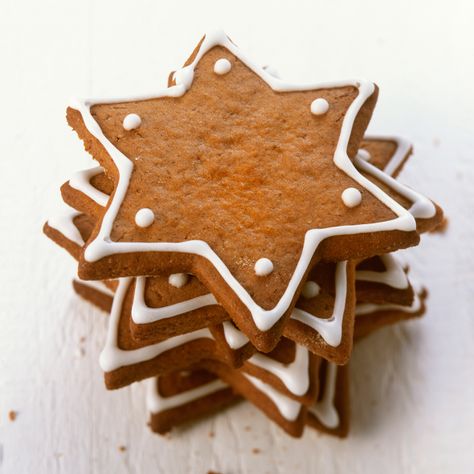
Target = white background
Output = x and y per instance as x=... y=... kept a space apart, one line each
x=413 y=386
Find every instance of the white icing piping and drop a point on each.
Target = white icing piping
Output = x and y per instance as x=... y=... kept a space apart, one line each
x=143 y=314
x=96 y=285
x=330 y=329
x=421 y=208
x=156 y=403
x=112 y=357
x=370 y=308
x=288 y=407
x=393 y=275
x=401 y=151
x=64 y=223
x=234 y=338
x=81 y=182
x=295 y=376
x=103 y=246
x=324 y=409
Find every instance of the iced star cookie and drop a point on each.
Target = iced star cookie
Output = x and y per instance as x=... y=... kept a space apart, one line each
x=268 y=224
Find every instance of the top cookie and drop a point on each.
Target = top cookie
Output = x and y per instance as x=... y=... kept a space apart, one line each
x=238 y=177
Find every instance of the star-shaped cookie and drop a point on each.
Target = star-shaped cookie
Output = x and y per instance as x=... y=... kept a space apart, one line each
x=239 y=178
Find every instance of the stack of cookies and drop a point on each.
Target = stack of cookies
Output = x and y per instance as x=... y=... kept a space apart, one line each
x=240 y=231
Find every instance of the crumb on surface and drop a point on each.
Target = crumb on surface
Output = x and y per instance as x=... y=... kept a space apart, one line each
x=211 y=434
x=82 y=339
x=12 y=414
x=256 y=451
x=247 y=428
x=122 y=448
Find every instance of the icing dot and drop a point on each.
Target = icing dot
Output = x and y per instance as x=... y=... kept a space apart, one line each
x=178 y=279
x=222 y=66
x=144 y=217
x=351 y=197
x=131 y=121
x=363 y=154
x=319 y=106
x=263 y=267
x=310 y=289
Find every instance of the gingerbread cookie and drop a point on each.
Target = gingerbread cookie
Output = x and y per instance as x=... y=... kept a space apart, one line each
x=257 y=275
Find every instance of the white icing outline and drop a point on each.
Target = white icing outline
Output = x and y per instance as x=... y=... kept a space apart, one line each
x=143 y=314
x=363 y=309
x=82 y=182
x=97 y=285
x=421 y=208
x=324 y=410
x=393 y=275
x=157 y=403
x=295 y=375
x=289 y=408
x=401 y=151
x=234 y=338
x=112 y=357
x=103 y=246
x=64 y=223
x=330 y=329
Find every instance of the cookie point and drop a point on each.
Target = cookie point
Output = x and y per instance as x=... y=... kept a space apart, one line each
x=222 y=66
x=310 y=289
x=263 y=267
x=178 y=280
x=319 y=106
x=131 y=122
x=144 y=217
x=351 y=197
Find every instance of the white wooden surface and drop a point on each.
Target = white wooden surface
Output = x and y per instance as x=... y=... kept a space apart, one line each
x=413 y=386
